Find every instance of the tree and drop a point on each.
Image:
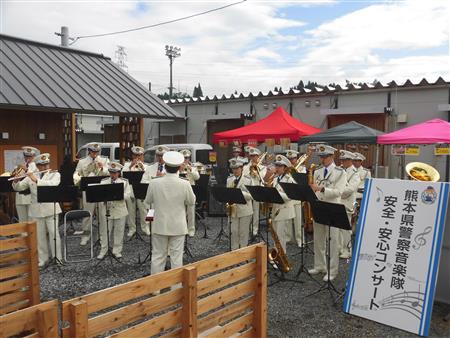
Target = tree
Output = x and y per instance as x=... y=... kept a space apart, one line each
x=197 y=91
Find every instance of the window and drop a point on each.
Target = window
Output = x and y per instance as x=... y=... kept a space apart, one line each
x=202 y=156
x=116 y=154
x=105 y=152
x=149 y=156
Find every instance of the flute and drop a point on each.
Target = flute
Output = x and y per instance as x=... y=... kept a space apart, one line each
x=25 y=175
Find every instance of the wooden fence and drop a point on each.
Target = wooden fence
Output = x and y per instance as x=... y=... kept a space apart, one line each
x=225 y=295
x=19 y=273
x=36 y=321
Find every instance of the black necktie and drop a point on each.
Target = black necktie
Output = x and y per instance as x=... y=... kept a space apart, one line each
x=160 y=167
x=325 y=172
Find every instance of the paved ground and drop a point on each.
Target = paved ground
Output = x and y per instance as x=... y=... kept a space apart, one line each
x=291 y=314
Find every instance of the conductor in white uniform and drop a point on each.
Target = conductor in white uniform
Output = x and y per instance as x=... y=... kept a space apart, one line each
x=171 y=197
x=329 y=183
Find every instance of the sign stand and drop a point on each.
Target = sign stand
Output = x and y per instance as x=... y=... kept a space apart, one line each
x=333 y=215
x=229 y=196
x=56 y=194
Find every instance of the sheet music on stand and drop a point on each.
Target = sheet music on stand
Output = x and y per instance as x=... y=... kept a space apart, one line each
x=140 y=190
x=299 y=192
x=265 y=194
x=85 y=181
x=228 y=195
x=96 y=193
x=300 y=178
x=5 y=185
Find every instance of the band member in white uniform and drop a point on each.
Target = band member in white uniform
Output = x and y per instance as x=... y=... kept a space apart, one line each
x=23 y=200
x=187 y=169
x=236 y=154
x=256 y=180
x=329 y=183
x=363 y=172
x=295 y=233
x=44 y=213
x=170 y=196
x=117 y=214
x=136 y=164
x=348 y=198
x=157 y=168
x=282 y=214
x=241 y=214
x=91 y=165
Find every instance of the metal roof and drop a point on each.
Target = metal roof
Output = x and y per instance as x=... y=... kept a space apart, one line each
x=39 y=76
x=338 y=89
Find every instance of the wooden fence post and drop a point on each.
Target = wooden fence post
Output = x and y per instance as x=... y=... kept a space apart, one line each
x=189 y=325
x=48 y=322
x=78 y=319
x=35 y=291
x=260 y=310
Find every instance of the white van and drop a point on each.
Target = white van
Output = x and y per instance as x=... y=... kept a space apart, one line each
x=109 y=150
x=200 y=152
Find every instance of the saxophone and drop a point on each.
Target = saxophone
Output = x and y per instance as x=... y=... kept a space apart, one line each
x=307 y=210
x=276 y=254
x=231 y=209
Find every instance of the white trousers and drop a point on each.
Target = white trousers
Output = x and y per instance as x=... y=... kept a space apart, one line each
x=281 y=228
x=163 y=246
x=88 y=207
x=255 y=220
x=131 y=218
x=320 y=239
x=345 y=238
x=22 y=212
x=46 y=225
x=240 y=228
x=295 y=233
x=118 y=225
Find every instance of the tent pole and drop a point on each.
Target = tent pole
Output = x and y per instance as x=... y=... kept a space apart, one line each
x=376 y=160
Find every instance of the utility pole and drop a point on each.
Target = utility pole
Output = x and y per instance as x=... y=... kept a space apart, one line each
x=172 y=53
x=121 y=56
x=64 y=36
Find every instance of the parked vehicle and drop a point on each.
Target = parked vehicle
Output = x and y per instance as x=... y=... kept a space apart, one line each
x=200 y=152
x=110 y=150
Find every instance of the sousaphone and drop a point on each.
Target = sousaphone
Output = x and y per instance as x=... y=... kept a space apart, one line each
x=419 y=171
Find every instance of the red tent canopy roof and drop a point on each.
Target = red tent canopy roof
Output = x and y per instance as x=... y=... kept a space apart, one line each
x=429 y=132
x=277 y=125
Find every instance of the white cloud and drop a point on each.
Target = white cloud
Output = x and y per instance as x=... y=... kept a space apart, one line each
x=228 y=50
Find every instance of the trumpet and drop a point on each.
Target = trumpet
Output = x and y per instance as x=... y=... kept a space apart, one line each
x=254 y=168
x=19 y=177
x=139 y=166
x=300 y=161
x=19 y=170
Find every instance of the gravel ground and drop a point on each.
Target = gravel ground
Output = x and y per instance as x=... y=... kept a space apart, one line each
x=290 y=313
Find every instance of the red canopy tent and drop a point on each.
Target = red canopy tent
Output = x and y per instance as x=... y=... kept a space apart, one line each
x=277 y=125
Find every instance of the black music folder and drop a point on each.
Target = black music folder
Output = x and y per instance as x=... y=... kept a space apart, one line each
x=299 y=192
x=300 y=178
x=265 y=194
x=5 y=185
x=140 y=190
x=85 y=181
x=228 y=195
x=96 y=193
x=133 y=177
x=54 y=194
x=331 y=214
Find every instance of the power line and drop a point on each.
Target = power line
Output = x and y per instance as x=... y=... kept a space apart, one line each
x=157 y=24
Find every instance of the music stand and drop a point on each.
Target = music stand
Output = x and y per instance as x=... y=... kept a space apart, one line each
x=97 y=193
x=200 y=193
x=5 y=185
x=300 y=178
x=300 y=193
x=56 y=194
x=332 y=215
x=230 y=196
x=84 y=182
x=140 y=192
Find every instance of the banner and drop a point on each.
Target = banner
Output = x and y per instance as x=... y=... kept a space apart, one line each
x=270 y=142
x=396 y=256
x=237 y=143
x=442 y=149
x=412 y=150
x=252 y=143
x=285 y=142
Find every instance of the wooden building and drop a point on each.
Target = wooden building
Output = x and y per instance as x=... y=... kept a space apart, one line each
x=42 y=86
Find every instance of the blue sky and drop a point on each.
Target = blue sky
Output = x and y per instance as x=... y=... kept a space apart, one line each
x=257 y=45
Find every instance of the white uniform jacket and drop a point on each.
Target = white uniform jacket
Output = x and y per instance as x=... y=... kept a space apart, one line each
x=363 y=174
x=257 y=180
x=127 y=167
x=150 y=172
x=22 y=199
x=38 y=210
x=334 y=183
x=117 y=209
x=242 y=209
x=87 y=167
x=348 y=197
x=170 y=196
x=285 y=211
x=192 y=175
